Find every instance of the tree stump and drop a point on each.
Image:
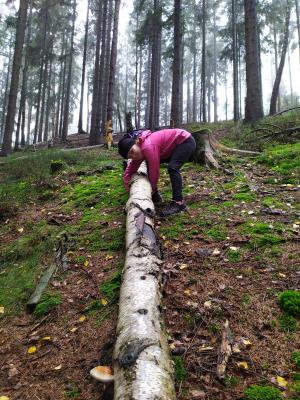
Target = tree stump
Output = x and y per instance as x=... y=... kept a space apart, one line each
x=143 y=368
x=204 y=153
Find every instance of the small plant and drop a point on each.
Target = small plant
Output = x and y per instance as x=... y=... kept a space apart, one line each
x=296 y=389
x=288 y=323
x=296 y=359
x=289 y=302
x=48 y=303
x=73 y=392
x=180 y=371
x=231 y=381
x=256 y=392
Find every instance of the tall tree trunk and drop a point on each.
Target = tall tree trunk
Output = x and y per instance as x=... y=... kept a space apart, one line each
x=69 y=79
x=236 y=115
x=106 y=67
x=102 y=64
x=60 y=84
x=63 y=94
x=22 y=105
x=95 y=115
x=282 y=60
x=45 y=80
x=203 y=66
x=80 y=129
x=155 y=65
x=12 y=101
x=254 y=108
x=215 y=66
x=276 y=63
x=113 y=62
x=4 y=108
x=298 y=25
x=176 y=116
x=38 y=105
x=48 y=104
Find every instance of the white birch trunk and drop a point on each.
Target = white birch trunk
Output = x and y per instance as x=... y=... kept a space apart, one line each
x=142 y=366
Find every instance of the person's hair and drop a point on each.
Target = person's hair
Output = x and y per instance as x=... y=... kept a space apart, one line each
x=127 y=141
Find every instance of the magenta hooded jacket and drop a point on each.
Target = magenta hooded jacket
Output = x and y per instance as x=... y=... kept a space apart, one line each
x=155 y=146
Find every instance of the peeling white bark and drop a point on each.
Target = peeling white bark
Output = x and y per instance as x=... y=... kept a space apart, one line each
x=142 y=366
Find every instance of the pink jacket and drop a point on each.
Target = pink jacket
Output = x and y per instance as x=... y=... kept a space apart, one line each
x=156 y=146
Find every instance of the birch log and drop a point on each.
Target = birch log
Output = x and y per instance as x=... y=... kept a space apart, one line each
x=142 y=366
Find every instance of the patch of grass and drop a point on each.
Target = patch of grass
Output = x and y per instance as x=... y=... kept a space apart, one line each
x=47 y=303
x=284 y=159
x=272 y=202
x=217 y=233
x=111 y=239
x=289 y=302
x=234 y=256
x=288 y=323
x=111 y=288
x=296 y=359
x=244 y=196
x=175 y=226
x=180 y=370
x=262 y=234
x=256 y=392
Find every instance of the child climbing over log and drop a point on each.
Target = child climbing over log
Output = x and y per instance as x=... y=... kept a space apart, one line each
x=172 y=146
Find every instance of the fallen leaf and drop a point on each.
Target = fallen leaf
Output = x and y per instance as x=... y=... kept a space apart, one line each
x=73 y=330
x=172 y=346
x=46 y=339
x=104 y=302
x=31 y=350
x=187 y=292
x=82 y=319
x=208 y=305
x=207 y=348
x=216 y=252
x=86 y=263
x=1 y=310
x=281 y=382
x=109 y=257
x=20 y=230
x=183 y=266
x=58 y=367
x=243 y=365
x=4 y=398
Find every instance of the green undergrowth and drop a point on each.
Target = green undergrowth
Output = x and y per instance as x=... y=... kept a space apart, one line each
x=257 y=392
x=47 y=303
x=87 y=183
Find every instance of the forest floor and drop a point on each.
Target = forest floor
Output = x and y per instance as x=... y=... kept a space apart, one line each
x=227 y=258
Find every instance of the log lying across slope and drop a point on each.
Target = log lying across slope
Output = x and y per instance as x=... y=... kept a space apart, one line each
x=142 y=366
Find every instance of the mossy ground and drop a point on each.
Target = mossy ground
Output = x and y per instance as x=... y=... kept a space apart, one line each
x=237 y=248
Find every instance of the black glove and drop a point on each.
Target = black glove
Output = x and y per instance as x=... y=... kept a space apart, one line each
x=156 y=197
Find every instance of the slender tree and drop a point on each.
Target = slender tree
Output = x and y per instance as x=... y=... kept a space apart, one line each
x=113 y=62
x=253 y=108
x=86 y=32
x=203 y=66
x=285 y=44
x=176 y=116
x=17 y=59
x=69 y=78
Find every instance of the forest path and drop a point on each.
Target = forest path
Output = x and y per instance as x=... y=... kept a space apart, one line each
x=228 y=257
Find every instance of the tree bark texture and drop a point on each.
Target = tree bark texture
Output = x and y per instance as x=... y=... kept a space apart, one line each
x=254 y=108
x=142 y=366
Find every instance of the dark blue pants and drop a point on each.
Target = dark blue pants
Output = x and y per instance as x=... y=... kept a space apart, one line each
x=181 y=154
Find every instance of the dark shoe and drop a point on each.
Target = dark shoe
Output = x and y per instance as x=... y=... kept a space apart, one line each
x=156 y=198
x=174 y=208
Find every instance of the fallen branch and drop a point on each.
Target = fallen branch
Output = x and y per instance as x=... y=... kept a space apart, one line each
x=39 y=290
x=225 y=351
x=142 y=366
x=284 y=111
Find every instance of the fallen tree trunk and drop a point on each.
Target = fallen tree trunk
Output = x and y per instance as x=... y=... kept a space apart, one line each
x=142 y=366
